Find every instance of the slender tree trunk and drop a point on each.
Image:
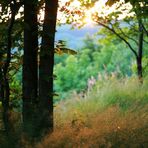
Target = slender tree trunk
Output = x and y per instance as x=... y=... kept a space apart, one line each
x=5 y=72
x=139 y=68
x=30 y=73
x=1 y=86
x=140 y=49
x=5 y=102
x=46 y=67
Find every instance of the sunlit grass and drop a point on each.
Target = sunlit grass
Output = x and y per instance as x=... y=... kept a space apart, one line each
x=125 y=93
x=112 y=114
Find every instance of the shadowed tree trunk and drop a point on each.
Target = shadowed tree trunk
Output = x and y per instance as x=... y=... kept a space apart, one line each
x=30 y=65
x=140 y=47
x=46 y=67
x=5 y=71
x=1 y=86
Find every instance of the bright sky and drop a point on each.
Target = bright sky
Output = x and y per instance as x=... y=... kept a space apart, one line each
x=99 y=8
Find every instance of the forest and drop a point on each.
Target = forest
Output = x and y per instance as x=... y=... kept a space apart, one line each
x=72 y=92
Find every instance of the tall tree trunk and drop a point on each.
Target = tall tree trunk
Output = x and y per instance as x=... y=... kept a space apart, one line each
x=5 y=72
x=140 y=49
x=5 y=103
x=46 y=67
x=30 y=72
x=1 y=86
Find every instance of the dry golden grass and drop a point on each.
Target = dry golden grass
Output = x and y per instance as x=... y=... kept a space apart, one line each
x=110 y=128
x=114 y=114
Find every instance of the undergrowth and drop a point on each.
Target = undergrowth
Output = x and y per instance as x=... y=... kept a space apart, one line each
x=112 y=114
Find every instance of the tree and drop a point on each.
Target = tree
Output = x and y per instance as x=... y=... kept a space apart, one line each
x=46 y=67
x=6 y=66
x=120 y=18
x=140 y=10
x=8 y=38
x=30 y=68
x=37 y=99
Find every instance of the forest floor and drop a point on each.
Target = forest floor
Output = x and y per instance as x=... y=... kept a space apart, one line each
x=114 y=114
x=108 y=129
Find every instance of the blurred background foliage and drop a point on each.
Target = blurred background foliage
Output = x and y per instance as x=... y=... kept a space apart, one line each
x=106 y=55
x=101 y=54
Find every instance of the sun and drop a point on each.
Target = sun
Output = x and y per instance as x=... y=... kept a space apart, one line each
x=88 y=19
x=88 y=15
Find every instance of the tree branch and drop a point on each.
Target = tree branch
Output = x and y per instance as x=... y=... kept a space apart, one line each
x=145 y=41
x=144 y=29
x=120 y=37
x=14 y=9
x=128 y=36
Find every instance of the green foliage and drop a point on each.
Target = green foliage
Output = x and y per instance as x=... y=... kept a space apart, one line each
x=61 y=48
x=125 y=93
x=145 y=65
x=95 y=57
x=16 y=89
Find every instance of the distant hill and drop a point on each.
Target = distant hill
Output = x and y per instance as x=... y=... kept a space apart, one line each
x=74 y=37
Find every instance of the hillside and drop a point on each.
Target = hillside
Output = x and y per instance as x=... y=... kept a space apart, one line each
x=74 y=37
x=112 y=114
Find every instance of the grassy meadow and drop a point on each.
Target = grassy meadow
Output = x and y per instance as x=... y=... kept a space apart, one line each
x=114 y=113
